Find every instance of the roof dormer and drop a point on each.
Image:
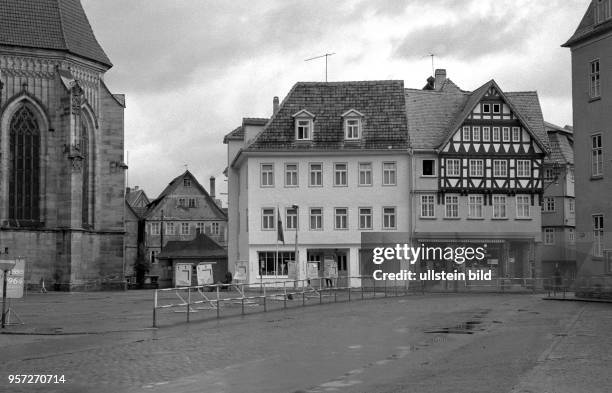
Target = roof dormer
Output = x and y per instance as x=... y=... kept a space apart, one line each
x=353 y=121
x=304 y=125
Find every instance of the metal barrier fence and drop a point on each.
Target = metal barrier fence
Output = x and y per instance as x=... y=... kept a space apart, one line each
x=213 y=297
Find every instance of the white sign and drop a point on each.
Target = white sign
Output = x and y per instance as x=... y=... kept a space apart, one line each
x=14 y=280
x=205 y=273
x=312 y=270
x=241 y=271
x=292 y=271
x=182 y=274
x=330 y=268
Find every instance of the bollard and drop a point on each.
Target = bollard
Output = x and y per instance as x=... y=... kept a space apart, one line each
x=242 y=300
x=361 y=289
x=303 y=298
x=335 y=295
x=218 y=305
x=349 y=292
x=265 y=305
x=385 y=288
x=374 y=287
x=285 y=298
x=188 y=303
x=155 y=310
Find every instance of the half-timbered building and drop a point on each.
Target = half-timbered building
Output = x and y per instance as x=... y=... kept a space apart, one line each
x=477 y=178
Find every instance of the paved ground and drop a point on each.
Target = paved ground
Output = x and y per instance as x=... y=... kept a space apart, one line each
x=432 y=343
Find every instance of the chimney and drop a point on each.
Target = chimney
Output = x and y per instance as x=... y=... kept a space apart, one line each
x=274 y=106
x=440 y=78
x=212 y=187
x=127 y=190
x=135 y=188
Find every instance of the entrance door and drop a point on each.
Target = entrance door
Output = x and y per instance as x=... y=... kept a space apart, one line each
x=342 y=260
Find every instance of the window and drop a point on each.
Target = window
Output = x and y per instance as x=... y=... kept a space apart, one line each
x=603 y=10
x=475 y=206
x=389 y=221
x=499 y=206
x=596 y=155
x=427 y=206
x=291 y=175
x=215 y=229
x=523 y=168
x=200 y=227
x=365 y=174
x=486 y=134
x=486 y=108
x=571 y=236
x=303 y=128
x=316 y=219
x=549 y=236
x=170 y=230
x=594 y=83
x=267 y=175
x=389 y=173
x=291 y=218
x=522 y=206
x=570 y=174
x=267 y=219
x=495 y=134
x=598 y=231
x=453 y=167
x=549 y=204
x=506 y=134
x=429 y=167
x=476 y=134
x=341 y=218
x=496 y=108
x=340 y=178
x=476 y=168
x=184 y=228
x=516 y=134
x=155 y=228
x=273 y=263
x=365 y=218
x=451 y=206
x=352 y=128
x=192 y=202
x=500 y=168
x=181 y=202
x=316 y=175
x=572 y=206
x=186 y=182
x=153 y=256
x=549 y=174
x=466 y=133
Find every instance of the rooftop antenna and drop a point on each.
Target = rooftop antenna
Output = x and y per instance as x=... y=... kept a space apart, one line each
x=318 y=57
x=433 y=72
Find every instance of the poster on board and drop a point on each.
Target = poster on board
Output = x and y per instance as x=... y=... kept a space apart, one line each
x=182 y=274
x=204 y=273
x=330 y=268
x=241 y=271
x=312 y=270
x=14 y=280
x=292 y=271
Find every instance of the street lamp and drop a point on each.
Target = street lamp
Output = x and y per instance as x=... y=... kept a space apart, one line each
x=295 y=256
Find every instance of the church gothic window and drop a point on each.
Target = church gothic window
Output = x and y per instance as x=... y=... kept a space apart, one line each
x=24 y=164
x=84 y=147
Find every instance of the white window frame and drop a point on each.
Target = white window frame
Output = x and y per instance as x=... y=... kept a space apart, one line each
x=433 y=168
x=451 y=206
x=496 y=134
x=428 y=206
x=315 y=174
x=455 y=165
x=192 y=203
x=476 y=134
x=549 y=236
x=183 y=226
x=266 y=176
x=170 y=228
x=523 y=206
x=571 y=236
x=352 y=128
x=597 y=155
x=291 y=175
x=200 y=227
x=365 y=218
x=466 y=133
x=548 y=204
x=268 y=219
x=318 y=219
x=365 y=175
x=292 y=220
x=476 y=167
x=486 y=134
x=598 y=234
x=486 y=108
x=475 y=206
x=154 y=228
x=389 y=214
x=303 y=129
x=499 y=109
x=341 y=219
x=500 y=206
x=594 y=79
x=572 y=206
x=215 y=228
x=516 y=134
x=340 y=175
x=500 y=168
x=505 y=134
x=523 y=168
x=389 y=173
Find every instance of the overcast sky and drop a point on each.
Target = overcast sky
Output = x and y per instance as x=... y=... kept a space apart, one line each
x=192 y=69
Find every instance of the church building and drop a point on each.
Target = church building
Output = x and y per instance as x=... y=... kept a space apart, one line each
x=61 y=148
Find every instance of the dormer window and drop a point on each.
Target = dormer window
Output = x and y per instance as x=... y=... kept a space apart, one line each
x=603 y=11
x=352 y=124
x=303 y=125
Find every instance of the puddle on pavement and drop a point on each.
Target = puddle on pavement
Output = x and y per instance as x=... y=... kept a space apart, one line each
x=467 y=327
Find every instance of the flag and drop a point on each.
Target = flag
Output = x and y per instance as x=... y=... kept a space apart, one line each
x=281 y=236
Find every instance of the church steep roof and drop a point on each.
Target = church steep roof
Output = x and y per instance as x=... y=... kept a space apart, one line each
x=588 y=27
x=50 y=24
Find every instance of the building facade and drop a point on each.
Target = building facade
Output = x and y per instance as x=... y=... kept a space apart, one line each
x=558 y=247
x=477 y=178
x=329 y=165
x=183 y=209
x=61 y=131
x=591 y=50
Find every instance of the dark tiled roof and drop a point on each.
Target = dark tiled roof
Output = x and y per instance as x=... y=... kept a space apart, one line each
x=561 y=144
x=50 y=24
x=134 y=195
x=587 y=27
x=527 y=105
x=430 y=115
x=200 y=246
x=381 y=103
x=238 y=133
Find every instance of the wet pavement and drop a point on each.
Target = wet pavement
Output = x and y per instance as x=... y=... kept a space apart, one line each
x=472 y=343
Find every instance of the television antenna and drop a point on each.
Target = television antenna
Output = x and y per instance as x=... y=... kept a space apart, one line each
x=432 y=55
x=318 y=57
